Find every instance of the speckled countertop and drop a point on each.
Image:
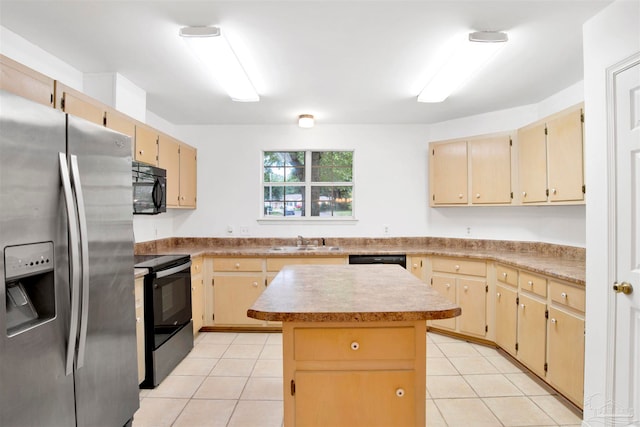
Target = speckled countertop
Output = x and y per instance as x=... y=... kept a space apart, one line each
x=556 y=261
x=349 y=293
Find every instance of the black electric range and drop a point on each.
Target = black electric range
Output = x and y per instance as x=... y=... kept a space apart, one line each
x=159 y=262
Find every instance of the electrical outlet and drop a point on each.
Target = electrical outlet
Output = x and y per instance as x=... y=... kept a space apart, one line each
x=244 y=230
x=468 y=231
x=386 y=230
x=229 y=229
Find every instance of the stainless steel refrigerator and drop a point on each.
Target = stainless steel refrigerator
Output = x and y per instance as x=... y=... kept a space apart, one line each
x=67 y=314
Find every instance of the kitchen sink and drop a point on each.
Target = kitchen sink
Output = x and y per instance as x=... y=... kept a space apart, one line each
x=304 y=248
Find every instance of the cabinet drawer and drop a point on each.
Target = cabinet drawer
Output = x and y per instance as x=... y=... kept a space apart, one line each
x=196 y=265
x=276 y=264
x=459 y=266
x=354 y=344
x=568 y=295
x=507 y=275
x=237 y=264
x=532 y=283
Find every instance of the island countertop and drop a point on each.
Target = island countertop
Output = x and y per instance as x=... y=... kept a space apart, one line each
x=349 y=293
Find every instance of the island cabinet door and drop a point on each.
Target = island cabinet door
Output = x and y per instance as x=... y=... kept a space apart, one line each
x=327 y=398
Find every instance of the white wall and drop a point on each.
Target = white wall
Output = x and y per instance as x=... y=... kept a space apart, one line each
x=609 y=37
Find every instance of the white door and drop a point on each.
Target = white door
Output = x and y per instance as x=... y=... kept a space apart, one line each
x=626 y=399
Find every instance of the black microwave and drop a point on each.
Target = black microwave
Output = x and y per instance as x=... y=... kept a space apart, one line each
x=149 y=189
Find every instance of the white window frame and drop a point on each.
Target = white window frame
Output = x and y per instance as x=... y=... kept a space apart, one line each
x=307 y=185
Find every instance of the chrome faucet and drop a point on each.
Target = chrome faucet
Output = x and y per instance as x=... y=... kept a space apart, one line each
x=306 y=242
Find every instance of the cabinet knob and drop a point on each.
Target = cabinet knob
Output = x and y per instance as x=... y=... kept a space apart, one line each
x=553 y=191
x=457 y=267
x=399 y=392
x=459 y=195
x=415 y=265
x=530 y=283
x=478 y=196
x=138 y=319
x=237 y=265
x=553 y=320
x=466 y=288
x=563 y=295
x=524 y=194
x=255 y=284
x=498 y=294
x=141 y=152
x=193 y=289
x=447 y=285
x=522 y=306
x=355 y=345
x=504 y=275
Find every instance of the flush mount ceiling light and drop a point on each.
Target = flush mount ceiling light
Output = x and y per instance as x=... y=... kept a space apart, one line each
x=214 y=51
x=464 y=57
x=305 y=120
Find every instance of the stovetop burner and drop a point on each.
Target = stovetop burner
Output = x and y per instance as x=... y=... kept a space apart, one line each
x=159 y=262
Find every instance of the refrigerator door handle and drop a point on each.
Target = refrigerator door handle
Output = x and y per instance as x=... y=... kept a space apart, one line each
x=84 y=255
x=74 y=263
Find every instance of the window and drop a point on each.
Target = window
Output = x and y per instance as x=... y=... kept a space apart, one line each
x=304 y=184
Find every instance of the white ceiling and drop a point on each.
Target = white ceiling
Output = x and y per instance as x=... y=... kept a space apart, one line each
x=343 y=61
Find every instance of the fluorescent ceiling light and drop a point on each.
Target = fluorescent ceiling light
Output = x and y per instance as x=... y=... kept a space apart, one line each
x=214 y=51
x=464 y=57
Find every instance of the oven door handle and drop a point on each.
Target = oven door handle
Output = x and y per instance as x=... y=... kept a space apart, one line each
x=168 y=272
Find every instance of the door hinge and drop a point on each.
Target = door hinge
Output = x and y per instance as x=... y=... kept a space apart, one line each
x=486 y=328
x=51 y=99
x=104 y=120
x=547 y=192
x=213 y=282
x=517 y=302
x=293 y=388
x=510 y=142
x=582 y=117
x=420 y=263
x=516 y=346
x=433 y=197
x=433 y=152
x=62 y=103
x=431 y=281
x=584 y=189
x=546 y=366
x=512 y=194
x=546 y=314
x=546 y=131
x=486 y=288
x=213 y=317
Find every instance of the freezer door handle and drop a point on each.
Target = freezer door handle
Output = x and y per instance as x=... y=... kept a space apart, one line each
x=84 y=256
x=72 y=219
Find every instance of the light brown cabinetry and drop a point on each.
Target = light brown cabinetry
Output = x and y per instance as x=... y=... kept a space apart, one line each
x=25 y=82
x=197 y=294
x=464 y=283
x=448 y=173
x=328 y=365
x=78 y=104
x=188 y=176
x=146 y=145
x=550 y=160
x=417 y=265
x=565 y=357
x=138 y=292
x=490 y=166
x=180 y=162
x=532 y=333
x=237 y=283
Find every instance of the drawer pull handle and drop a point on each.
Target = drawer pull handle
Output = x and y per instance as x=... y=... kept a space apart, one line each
x=524 y=194
x=563 y=295
x=498 y=295
x=459 y=195
x=255 y=284
x=530 y=283
x=478 y=196
x=554 y=191
x=355 y=345
x=457 y=267
x=504 y=275
x=415 y=265
x=237 y=265
x=448 y=285
x=466 y=288
x=138 y=319
x=522 y=306
x=554 y=321
x=400 y=392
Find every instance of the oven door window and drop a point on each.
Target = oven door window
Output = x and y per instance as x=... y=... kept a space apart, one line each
x=172 y=300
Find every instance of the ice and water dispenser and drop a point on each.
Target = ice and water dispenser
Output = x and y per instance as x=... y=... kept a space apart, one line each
x=29 y=286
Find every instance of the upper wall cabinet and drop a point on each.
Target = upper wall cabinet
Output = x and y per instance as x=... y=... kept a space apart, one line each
x=122 y=123
x=179 y=160
x=146 y=145
x=473 y=171
x=25 y=82
x=550 y=159
x=78 y=104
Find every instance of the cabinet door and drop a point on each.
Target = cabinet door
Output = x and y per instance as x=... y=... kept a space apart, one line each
x=506 y=318
x=233 y=295
x=532 y=164
x=472 y=298
x=169 y=159
x=449 y=173
x=417 y=266
x=120 y=123
x=446 y=286
x=565 y=159
x=25 y=82
x=566 y=354
x=327 y=398
x=79 y=105
x=188 y=176
x=532 y=334
x=490 y=170
x=146 y=145
x=197 y=295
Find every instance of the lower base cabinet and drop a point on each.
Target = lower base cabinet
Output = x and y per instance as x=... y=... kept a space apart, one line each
x=532 y=340
x=233 y=295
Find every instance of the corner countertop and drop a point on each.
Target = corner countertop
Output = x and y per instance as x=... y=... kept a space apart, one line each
x=349 y=293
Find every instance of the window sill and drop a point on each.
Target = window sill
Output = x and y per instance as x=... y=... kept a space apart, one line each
x=327 y=221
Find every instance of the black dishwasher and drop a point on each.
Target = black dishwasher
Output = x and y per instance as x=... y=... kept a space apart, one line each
x=379 y=259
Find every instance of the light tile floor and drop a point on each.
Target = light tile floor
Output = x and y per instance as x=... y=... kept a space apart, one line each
x=235 y=379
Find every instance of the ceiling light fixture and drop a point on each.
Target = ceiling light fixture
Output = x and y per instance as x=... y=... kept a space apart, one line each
x=214 y=51
x=464 y=58
x=305 y=121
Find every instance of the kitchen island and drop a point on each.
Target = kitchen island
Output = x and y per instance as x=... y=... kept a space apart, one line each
x=354 y=343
